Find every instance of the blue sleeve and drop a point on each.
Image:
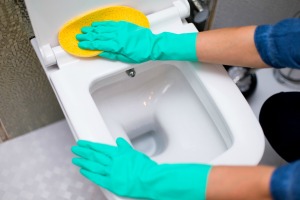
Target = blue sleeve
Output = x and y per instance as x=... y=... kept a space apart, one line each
x=285 y=182
x=279 y=44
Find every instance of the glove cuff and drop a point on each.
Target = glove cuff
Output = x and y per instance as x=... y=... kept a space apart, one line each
x=171 y=46
x=179 y=181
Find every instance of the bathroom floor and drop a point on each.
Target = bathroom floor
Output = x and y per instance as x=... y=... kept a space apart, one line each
x=38 y=165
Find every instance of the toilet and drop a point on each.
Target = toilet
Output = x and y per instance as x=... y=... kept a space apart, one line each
x=172 y=111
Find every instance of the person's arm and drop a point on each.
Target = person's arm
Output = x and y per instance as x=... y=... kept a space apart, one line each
x=266 y=45
x=127 y=172
x=285 y=182
x=275 y=45
x=230 y=46
x=239 y=183
x=261 y=182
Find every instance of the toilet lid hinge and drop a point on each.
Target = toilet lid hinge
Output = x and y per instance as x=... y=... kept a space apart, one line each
x=174 y=14
x=63 y=58
x=44 y=53
x=50 y=56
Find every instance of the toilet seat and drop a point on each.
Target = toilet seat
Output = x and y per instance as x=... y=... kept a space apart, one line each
x=85 y=121
x=74 y=82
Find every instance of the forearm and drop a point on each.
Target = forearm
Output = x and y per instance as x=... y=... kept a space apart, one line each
x=230 y=46
x=236 y=183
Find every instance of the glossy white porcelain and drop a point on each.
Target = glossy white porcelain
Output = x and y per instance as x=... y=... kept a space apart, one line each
x=163 y=112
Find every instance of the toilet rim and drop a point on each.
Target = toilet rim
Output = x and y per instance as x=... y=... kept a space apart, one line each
x=86 y=121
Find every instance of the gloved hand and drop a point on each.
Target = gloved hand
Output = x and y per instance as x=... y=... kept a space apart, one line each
x=129 y=173
x=130 y=43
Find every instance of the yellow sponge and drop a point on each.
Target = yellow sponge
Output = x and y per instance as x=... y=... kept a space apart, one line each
x=67 y=33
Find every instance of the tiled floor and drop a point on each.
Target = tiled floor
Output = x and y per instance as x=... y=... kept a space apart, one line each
x=32 y=167
x=37 y=166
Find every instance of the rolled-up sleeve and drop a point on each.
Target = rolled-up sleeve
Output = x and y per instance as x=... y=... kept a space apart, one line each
x=285 y=182
x=279 y=44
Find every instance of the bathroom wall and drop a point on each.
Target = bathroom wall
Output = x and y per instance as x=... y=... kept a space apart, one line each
x=26 y=98
x=3 y=134
x=253 y=12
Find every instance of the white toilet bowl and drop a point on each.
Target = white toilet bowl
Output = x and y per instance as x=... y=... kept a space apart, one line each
x=164 y=112
x=171 y=111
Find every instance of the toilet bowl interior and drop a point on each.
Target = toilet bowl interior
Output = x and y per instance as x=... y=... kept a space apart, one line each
x=162 y=111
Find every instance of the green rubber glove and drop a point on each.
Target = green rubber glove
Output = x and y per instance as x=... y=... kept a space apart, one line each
x=129 y=173
x=130 y=43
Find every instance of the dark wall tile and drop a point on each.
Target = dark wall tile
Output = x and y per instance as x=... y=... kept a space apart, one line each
x=27 y=101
